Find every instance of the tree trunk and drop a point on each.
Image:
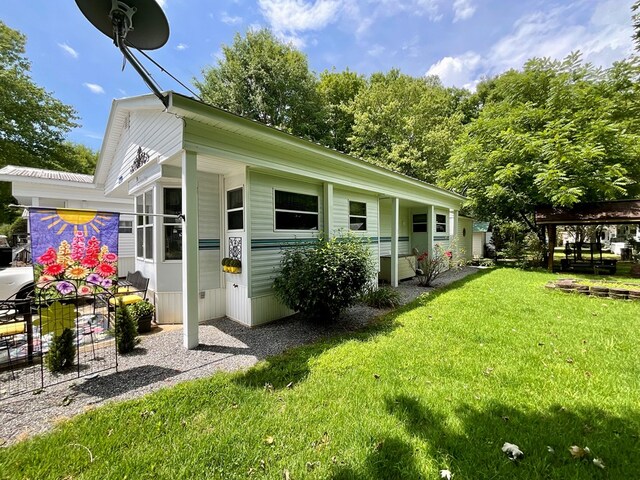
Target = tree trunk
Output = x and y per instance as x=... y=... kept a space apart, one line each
x=552 y=245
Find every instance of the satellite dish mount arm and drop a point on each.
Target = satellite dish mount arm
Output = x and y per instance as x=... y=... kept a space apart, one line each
x=122 y=19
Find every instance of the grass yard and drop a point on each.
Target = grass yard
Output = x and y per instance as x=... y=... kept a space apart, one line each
x=441 y=384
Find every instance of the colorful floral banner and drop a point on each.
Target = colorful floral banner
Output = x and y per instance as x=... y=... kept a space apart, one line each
x=73 y=251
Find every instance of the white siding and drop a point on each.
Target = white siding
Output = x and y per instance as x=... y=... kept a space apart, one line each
x=209 y=231
x=404 y=244
x=267 y=308
x=169 y=306
x=266 y=243
x=238 y=305
x=465 y=236
x=159 y=135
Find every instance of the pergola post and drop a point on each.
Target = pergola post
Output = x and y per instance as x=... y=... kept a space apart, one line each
x=190 y=250
x=395 y=214
x=551 y=231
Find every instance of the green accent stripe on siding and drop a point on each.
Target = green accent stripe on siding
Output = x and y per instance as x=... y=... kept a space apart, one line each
x=209 y=244
x=388 y=239
x=441 y=237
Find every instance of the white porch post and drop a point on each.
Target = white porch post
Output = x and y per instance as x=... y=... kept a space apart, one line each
x=395 y=213
x=454 y=228
x=328 y=209
x=431 y=226
x=190 y=250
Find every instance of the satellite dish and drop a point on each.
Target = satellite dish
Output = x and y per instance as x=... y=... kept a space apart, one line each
x=142 y=23
x=139 y=24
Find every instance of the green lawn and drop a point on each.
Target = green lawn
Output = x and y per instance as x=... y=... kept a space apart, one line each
x=443 y=383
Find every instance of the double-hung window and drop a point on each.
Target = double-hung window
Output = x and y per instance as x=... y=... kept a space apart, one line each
x=235 y=209
x=296 y=211
x=441 y=223
x=172 y=202
x=357 y=216
x=144 y=225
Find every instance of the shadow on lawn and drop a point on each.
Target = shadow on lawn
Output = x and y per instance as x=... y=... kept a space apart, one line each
x=292 y=366
x=117 y=383
x=472 y=448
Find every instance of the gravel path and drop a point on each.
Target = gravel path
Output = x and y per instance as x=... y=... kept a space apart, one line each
x=161 y=361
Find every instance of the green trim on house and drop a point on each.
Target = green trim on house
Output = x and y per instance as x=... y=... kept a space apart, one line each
x=209 y=244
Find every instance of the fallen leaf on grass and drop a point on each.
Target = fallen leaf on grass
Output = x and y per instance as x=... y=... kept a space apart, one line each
x=268 y=387
x=147 y=414
x=505 y=419
x=290 y=385
x=446 y=474
x=569 y=360
x=513 y=451
x=488 y=372
x=376 y=376
x=598 y=462
x=550 y=449
x=579 y=452
x=269 y=440
x=285 y=474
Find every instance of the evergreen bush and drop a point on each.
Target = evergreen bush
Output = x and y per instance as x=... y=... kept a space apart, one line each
x=325 y=276
x=382 y=297
x=62 y=351
x=126 y=329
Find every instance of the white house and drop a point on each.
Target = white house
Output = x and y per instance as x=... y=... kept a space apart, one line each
x=247 y=191
x=49 y=188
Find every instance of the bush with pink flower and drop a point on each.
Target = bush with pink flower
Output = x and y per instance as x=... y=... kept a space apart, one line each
x=78 y=267
x=428 y=268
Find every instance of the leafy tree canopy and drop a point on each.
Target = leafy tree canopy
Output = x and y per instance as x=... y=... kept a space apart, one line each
x=32 y=122
x=337 y=91
x=407 y=124
x=636 y=23
x=557 y=132
x=266 y=80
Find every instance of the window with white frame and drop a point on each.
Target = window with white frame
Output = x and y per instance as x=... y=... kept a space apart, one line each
x=441 y=223
x=296 y=211
x=357 y=216
x=420 y=223
x=144 y=225
x=235 y=209
x=172 y=202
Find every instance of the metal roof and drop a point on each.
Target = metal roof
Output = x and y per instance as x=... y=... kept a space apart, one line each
x=611 y=212
x=46 y=174
x=480 y=227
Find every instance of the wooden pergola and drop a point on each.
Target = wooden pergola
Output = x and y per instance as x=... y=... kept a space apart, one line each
x=597 y=213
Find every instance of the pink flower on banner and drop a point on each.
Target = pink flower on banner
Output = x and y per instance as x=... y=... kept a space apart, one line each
x=53 y=269
x=45 y=281
x=93 y=247
x=77 y=246
x=85 y=290
x=110 y=257
x=48 y=257
x=105 y=269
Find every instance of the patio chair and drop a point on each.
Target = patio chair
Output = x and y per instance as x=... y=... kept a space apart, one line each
x=13 y=323
x=132 y=290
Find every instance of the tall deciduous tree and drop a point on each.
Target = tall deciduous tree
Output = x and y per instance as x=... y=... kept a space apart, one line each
x=405 y=123
x=557 y=132
x=636 y=23
x=32 y=122
x=337 y=92
x=264 y=79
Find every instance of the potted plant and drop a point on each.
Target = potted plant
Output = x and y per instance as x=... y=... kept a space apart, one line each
x=142 y=313
x=235 y=265
x=225 y=264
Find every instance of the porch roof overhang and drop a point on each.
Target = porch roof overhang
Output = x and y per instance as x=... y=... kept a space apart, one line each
x=596 y=213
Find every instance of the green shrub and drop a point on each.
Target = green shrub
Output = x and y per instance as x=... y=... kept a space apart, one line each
x=323 y=277
x=383 y=297
x=126 y=329
x=62 y=351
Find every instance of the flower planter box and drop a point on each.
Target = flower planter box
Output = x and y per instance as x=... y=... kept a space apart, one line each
x=144 y=324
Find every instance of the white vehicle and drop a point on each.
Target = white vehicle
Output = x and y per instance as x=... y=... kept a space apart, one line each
x=15 y=280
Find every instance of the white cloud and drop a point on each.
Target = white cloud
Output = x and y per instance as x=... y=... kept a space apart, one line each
x=230 y=20
x=182 y=46
x=94 y=88
x=294 y=16
x=459 y=71
x=376 y=50
x=463 y=9
x=68 y=49
x=553 y=33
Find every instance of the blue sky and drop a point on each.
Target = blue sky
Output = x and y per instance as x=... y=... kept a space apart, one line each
x=459 y=40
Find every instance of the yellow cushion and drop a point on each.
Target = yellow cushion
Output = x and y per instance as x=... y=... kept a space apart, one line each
x=125 y=290
x=12 y=328
x=126 y=299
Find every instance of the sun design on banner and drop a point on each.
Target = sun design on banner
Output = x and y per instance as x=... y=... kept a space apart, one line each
x=79 y=219
x=74 y=251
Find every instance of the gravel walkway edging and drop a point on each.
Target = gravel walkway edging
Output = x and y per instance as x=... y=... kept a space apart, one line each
x=161 y=361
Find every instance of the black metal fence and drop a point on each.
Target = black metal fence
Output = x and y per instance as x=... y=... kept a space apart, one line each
x=48 y=339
